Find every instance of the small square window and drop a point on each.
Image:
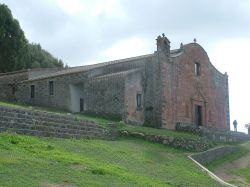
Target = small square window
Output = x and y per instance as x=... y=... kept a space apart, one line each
x=51 y=87
x=197 y=69
x=32 y=91
x=139 y=100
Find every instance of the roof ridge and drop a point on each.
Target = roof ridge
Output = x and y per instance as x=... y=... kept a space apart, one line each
x=78 y=69
x=116 y=73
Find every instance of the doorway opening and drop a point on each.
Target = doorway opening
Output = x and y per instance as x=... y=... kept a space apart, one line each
x=81 y=105
x=198 y=115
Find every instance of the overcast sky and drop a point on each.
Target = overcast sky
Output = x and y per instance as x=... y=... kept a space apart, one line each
x=90 y=31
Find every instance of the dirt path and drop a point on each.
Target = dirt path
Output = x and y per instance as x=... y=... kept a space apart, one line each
x=224 y=171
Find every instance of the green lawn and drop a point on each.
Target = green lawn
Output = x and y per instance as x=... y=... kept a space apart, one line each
x=31 y=161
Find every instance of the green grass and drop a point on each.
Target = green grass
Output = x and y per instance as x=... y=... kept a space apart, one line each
x=239 y=152
x=154 y=131
x=238 y=176
x=31 y=161
x=244 y=173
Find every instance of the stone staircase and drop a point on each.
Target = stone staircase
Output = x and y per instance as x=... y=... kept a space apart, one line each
x=39 y=123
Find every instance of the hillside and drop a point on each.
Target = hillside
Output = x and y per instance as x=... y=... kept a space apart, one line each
x=131 y=160
x=234 y=168
x=32 y=161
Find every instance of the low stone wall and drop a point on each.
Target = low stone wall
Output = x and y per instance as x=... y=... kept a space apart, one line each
x=189 y=144
x=38 y=123
x=217 y=135
x=212 y=154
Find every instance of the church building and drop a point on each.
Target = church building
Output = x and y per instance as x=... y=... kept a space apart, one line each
x=160 y=89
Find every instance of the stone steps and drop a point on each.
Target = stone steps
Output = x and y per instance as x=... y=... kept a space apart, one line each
x=42 y=117
x=16 y=125
x=26 y=121
x=46 y=133
x=32 y=112
x=49 y=122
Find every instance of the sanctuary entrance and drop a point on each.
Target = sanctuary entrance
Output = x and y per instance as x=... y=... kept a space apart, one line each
x=198 y=115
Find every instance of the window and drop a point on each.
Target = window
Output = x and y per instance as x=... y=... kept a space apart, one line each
x=197 y=69
x=51 y=88
x=32 y=91
x=139 y=100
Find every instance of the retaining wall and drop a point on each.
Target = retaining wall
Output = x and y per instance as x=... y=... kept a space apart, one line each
x=38 y=123
x=199 y=144
x=217 y=135
x=212 y=154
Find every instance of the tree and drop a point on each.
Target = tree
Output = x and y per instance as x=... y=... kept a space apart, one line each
x=40 y=58
x=12 y=42
x=15 y=51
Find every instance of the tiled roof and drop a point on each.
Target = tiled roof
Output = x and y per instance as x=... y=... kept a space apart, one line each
x=174 y=53
x=121 y=74
x=88 y=67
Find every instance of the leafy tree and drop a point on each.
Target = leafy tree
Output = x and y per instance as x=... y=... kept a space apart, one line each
x=40 y=58
x=15 y=51
x=12 y=41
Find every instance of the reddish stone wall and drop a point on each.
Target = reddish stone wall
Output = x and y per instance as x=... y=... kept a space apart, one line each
x=167 y=81
x=209 y=90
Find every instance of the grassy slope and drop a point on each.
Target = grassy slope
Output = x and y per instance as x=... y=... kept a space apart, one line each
x=237 y=175
x=31 y=161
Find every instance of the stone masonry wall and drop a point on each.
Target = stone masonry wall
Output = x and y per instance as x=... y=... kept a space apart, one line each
x=212 y=154
x=208 y=90
x=103 y=89
x=214 y=134
x=105 y=94
x=133 y=86
x=38 y=123
x=152 y=90
x=8 y=84
x=61 y=97
x=189 y=144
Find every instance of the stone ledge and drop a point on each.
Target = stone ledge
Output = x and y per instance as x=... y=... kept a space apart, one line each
x=180 y=143
x=217 y=135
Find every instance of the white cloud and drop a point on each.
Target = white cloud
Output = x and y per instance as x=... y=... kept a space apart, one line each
x=128 y=47
x=72 y=7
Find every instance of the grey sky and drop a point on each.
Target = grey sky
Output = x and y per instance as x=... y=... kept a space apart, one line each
x=91 y=31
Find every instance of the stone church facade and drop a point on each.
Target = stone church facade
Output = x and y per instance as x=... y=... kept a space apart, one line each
x=159 y=89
